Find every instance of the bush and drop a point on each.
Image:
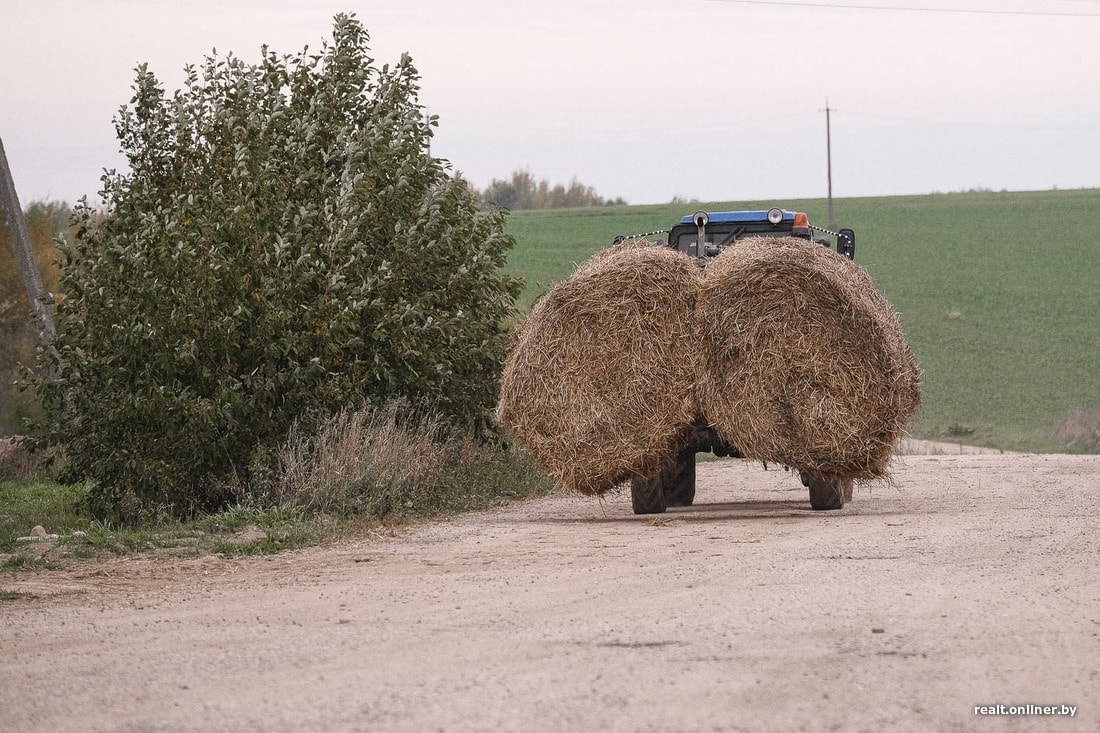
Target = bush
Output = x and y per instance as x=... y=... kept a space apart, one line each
x=283 y=244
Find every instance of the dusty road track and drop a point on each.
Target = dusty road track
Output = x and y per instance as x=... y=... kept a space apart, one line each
x=972 y=581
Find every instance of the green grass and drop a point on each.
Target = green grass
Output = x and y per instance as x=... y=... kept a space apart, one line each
x=24 y=504
x=549 y=243
x=471 y=476
x=999 y=295
x=237 y=531
x=54 y=506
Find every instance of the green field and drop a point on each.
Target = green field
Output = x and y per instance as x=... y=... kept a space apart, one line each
x=999 y=295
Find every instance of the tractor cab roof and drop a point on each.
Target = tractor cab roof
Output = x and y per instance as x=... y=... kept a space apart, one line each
x=739 y=217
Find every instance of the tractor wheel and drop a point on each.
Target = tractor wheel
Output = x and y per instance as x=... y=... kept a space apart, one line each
x=647 y=496
x=680 y=480
x=674 y=485
x=826 y=492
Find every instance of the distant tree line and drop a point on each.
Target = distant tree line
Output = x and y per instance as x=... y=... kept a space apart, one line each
x=522 y=191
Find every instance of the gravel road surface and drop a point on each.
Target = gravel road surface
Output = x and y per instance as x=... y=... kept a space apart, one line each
x=970 y=581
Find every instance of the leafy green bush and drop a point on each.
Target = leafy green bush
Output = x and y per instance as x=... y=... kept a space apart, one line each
x=282 y=245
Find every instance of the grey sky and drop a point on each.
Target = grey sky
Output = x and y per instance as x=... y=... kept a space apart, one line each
x=644 y=99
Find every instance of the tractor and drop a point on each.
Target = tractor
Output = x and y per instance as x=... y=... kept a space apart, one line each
x=704 y=236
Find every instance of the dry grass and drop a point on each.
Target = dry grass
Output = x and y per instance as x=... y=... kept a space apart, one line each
x=1080 y=429
x=805 y=361
x=18 y=463
x=392 y=463
x=382 y=454
x=599 y=382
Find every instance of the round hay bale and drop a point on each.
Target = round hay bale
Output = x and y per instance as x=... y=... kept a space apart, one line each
x=599 y=382
x=804 y=359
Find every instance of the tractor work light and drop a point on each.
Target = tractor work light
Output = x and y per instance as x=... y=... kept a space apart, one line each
x=775 y=216
x=801 y=226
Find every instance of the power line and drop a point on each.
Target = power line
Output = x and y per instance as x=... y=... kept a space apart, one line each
x=913 y=9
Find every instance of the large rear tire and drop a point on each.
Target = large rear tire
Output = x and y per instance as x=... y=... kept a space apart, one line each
x=680 y=481
x=826 y=492
x=647 y=496
x=674 y=485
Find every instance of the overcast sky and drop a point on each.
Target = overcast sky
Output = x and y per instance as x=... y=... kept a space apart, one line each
x=643 y=99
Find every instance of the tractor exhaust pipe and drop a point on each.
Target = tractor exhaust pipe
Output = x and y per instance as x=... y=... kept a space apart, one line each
x=700 y=218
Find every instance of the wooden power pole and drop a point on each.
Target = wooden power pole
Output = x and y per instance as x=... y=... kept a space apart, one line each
x=829 y=160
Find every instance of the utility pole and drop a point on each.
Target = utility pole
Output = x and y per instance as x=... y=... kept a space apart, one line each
x=21 y=241
x=829 y=159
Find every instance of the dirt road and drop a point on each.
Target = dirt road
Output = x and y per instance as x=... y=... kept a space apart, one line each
x=972 y=581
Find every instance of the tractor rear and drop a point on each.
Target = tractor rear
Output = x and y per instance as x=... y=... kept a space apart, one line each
x=704 y=236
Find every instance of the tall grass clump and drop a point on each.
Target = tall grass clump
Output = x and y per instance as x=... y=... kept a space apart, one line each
x=393 y=462
x=1079 y=430
x=18 y=463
